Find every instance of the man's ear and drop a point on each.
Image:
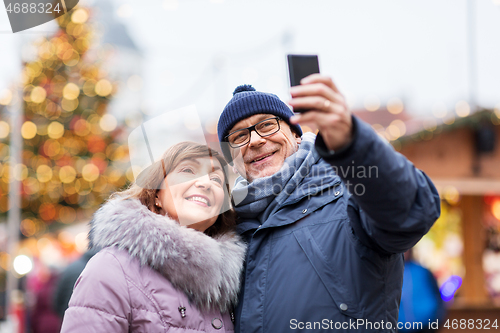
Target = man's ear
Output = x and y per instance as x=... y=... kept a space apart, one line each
x=234 y=169
x=298 y=139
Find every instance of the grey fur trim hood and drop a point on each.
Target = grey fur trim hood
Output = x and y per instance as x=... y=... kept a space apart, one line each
x=207 y=269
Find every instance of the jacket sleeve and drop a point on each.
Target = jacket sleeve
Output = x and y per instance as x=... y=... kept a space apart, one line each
x=100 y=300
x=392 y=204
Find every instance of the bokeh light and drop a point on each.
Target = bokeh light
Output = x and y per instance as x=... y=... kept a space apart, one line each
x=4 y=129
x=82 y=127
x=451 y=195
x=67 y=174
x=51 y=148
x=47 y=211
x=400 y=125
x=89 y=88
x=496 y=110
x=38 y=95
x=495 y=209
x=67 y=214
x=108 y=123
x=28 y=130
x=31 y=186
x=395 y=106
x=103 y=88
x=90 y=172
x=23 y=264
x=20 y=172
x=395 y=130
x=44 y=173
x=81 y=242
x=450 y=287
x=5 y=261
x=28 y=227
x=71 y=91
x=69 y=105
x=79 y=16
x=462 y=109
x=55 y=130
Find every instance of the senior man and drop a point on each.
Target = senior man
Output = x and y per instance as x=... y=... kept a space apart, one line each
x=326 y=217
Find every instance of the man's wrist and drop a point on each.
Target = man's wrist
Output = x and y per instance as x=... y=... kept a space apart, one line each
x=325 y=153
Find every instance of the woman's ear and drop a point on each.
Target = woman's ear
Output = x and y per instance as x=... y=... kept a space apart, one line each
x=157 y=200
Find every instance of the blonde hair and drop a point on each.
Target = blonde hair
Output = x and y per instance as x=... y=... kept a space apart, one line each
x=149 y=182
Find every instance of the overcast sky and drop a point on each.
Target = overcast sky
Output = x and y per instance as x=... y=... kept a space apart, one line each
x=198 y=51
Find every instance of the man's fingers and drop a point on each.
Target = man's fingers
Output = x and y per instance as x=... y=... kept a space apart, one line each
x=317 y=103
x=310 y=103
x=314 y=89
x=318 y=78
x=317 y=118
x=327 y=109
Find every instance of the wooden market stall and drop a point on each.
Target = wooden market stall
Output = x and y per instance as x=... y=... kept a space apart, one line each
x=462 y=157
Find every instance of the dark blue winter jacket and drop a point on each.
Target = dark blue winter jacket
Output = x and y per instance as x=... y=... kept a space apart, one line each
x=333 y=260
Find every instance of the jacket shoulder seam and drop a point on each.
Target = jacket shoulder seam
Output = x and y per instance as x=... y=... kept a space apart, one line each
x=98 y=309
x=125 y=276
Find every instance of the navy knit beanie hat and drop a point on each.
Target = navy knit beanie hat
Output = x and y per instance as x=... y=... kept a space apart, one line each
x=245 y=103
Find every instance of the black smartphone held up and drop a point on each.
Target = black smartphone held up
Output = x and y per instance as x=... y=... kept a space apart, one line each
x=300 y=66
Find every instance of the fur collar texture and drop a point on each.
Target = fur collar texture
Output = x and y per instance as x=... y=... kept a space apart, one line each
x=207 y=269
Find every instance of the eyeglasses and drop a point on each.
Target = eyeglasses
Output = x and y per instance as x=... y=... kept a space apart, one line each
x=264 y=128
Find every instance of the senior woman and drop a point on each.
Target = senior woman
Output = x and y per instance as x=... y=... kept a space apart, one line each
x=170 y=260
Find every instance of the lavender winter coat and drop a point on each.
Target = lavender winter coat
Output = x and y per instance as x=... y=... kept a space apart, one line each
x=154 y=275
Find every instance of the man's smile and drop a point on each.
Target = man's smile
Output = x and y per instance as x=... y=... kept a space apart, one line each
x=263 y=157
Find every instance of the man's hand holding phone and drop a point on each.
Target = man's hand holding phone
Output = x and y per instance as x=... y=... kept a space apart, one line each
x=327 y=110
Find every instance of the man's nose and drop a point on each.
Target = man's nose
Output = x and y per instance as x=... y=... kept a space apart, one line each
x=255 y=139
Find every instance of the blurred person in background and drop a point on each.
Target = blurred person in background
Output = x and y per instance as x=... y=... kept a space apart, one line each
x=67 y=280
x=41 y=285
x=170 y=260
x=421 y=300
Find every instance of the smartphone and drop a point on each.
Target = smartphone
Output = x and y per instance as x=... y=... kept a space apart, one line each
x=300 y=66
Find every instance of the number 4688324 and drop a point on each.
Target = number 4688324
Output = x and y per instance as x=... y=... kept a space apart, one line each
x=32 y=8
x=478 y=324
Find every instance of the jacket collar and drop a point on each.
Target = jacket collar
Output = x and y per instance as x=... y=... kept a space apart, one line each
x=206 y=269
x=321 y=179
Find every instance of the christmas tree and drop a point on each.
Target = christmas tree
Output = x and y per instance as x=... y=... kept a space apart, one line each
x=71 y=161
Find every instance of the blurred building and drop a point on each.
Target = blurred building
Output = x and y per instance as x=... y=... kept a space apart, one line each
x=462 y=157
x=123 y=61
